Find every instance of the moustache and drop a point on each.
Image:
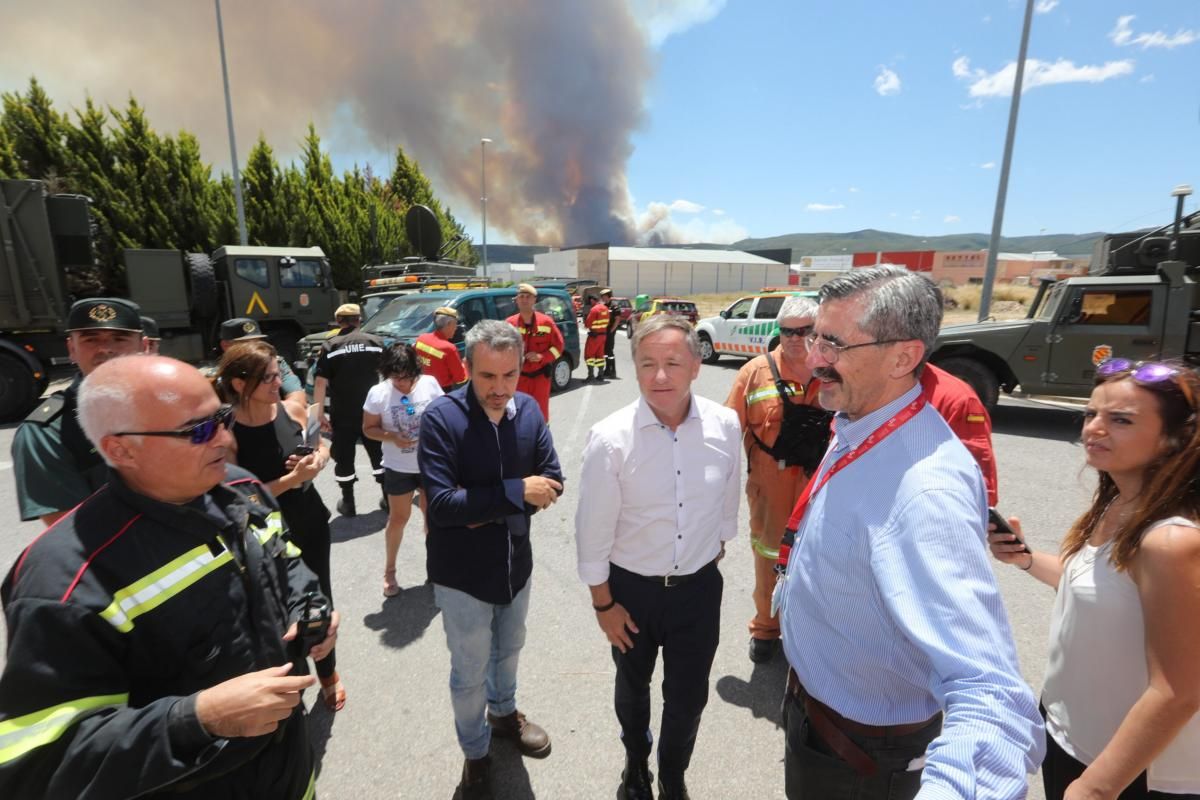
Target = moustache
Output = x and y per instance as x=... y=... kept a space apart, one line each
x=827 y=374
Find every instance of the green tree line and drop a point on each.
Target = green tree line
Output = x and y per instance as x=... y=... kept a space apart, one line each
x=151 y=190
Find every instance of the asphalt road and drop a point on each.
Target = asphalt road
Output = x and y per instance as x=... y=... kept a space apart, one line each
x=395 y=737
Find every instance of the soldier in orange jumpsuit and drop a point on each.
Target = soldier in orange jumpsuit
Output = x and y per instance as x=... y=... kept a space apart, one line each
x=772 y=487
x=543 y=347
x=597 y=328
x=437 y=354
x=958 y=404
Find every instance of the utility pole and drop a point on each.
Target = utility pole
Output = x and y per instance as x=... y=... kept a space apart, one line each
x=237 y=177
x=989 y=273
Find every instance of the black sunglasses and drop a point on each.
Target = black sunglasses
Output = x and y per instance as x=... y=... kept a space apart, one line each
x=201 y=432
x=803 y=331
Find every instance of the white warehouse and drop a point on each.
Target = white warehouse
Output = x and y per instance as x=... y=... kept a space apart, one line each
x=631 y=271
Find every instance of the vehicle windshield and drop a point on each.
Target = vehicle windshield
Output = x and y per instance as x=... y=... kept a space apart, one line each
x=405 y=317
x=371 y=304
x=683 y=308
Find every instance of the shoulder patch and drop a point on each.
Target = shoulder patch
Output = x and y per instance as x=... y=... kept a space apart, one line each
x=48 y=410
x=976 y=418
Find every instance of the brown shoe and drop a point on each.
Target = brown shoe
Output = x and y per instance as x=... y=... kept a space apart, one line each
x=476 y=783
x=531 y=740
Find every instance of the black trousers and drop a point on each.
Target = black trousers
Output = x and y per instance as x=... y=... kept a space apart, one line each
x=1060 y=769
x=683 y=621
x=813 y=771
x=346 y=434
x=307 y=519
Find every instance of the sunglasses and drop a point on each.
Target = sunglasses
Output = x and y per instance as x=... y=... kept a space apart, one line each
x=1145 y=372
x=201 y=432
x=803 y=331
x=408 y=406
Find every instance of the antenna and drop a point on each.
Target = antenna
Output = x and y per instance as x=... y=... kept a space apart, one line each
x=424 y=232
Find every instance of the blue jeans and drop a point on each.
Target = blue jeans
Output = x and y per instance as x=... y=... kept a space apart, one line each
x=485 y=642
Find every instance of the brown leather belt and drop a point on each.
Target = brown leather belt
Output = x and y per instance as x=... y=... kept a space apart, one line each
x=832 y=728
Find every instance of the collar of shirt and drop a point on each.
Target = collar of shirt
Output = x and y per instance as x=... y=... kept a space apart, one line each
x=850 y=434
x=645 y=417
x=510 y=408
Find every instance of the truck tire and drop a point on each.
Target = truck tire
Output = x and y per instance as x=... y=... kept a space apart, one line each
x=978 y=376
x=19 y=389
x=708 y=353
x=560 y=378
x=205 y=303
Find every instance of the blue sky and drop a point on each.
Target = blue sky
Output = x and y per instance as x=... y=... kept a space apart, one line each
x=806 y=117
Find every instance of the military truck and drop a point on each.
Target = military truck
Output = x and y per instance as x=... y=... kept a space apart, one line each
x=46 y=251
x=1140 y=301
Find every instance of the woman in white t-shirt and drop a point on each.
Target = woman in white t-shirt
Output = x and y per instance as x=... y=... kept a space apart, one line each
x=1122 y=684
x=392 y=415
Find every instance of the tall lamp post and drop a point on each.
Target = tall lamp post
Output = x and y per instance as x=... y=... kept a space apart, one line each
x=237 y=178
x=483 y=143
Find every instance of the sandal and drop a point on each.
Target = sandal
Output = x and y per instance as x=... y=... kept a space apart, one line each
x=333 y=693
x=390 y=587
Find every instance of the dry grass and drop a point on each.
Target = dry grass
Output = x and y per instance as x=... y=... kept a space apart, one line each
x=968 y=297
x=709 y=305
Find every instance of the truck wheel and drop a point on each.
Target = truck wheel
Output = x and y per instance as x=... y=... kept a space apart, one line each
x=560 y=378
x=708 y=353
x=978 y=376
x=204 y=286
x=18 y=389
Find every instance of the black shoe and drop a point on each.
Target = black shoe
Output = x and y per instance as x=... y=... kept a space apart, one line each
x=476 y=783
x=675 y=790
x=763 y=650
x=636 y=780
x=345 y=507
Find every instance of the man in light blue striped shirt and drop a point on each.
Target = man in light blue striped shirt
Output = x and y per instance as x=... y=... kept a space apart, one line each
x=905 y=680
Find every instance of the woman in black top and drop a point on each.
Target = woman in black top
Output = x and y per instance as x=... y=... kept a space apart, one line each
x=267 y=433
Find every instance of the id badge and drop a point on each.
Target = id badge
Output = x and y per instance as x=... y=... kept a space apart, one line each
x=777 y=594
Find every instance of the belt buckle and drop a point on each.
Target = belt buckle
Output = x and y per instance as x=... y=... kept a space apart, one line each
x=667 y=581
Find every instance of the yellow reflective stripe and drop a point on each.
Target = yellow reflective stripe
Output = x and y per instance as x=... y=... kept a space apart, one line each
x=20 y=735
x=429 y=350
x=764 y=393
x=161 y=585
x=274 y=527
x=762 y=550
x=554 y=352
x=311 y=791
x=543 y=329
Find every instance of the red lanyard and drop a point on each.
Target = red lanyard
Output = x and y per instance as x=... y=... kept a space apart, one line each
x=878 y=435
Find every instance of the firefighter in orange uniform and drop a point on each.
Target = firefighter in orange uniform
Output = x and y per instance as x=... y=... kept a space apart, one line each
x=597 y=328
x=543 y=347
x=437 y=354
x=772 y=484
x=958 y=404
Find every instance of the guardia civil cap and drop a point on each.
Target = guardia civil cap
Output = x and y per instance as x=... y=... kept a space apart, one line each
x=104 y=313
x=240 y=328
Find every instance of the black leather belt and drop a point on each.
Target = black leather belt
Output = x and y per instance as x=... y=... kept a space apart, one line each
x=669 y=581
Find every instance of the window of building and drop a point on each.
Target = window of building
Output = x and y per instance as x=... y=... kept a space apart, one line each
x=253 y=270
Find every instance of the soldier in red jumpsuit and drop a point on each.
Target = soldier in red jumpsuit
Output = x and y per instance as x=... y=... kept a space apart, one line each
x=543 y=347
x=597 y=328
x=958 y=404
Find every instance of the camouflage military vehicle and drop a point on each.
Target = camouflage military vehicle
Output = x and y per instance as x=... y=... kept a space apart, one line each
x=46 y=263
x=1141 y=300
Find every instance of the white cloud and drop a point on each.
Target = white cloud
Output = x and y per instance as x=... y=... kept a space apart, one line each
x=1045 y=6
x=853 y=189
x=686 y=207
x=718 y=212
x=823 y=206
x=1147 y=78
x=887 y=82
x=661 y=19
x=988 y=165
x=1037 y=73
x=1122 y=36
x=950 y=218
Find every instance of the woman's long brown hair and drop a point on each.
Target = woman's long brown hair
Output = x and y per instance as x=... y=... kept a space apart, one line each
x=245 y=360
x=1171 y=484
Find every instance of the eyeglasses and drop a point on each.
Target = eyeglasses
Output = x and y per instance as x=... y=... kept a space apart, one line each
x=201 y=432
x=1146 y=373
x=828 y=351
x=272 y=377
x=801 y=331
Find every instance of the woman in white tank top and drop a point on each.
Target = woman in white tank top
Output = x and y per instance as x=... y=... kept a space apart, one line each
x=1122 y=685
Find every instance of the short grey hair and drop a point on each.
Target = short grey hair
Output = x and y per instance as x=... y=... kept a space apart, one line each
x=899 y=304
x=665 y=322
x=796 y=307
x=443 y=321
x=496 y=335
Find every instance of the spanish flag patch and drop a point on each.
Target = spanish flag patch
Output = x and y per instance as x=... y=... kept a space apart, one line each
x=976 y=418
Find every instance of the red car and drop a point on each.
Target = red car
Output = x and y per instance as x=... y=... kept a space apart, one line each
x=623 y=307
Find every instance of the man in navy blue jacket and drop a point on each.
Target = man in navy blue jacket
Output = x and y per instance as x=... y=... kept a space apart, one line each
x=487 y=464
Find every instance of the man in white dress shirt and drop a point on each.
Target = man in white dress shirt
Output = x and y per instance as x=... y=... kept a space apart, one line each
x=660 y=490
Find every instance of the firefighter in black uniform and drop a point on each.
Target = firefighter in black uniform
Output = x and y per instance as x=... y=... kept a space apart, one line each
x=347 y=369
x=614 y=322
x=55 y=466
x=148 y=651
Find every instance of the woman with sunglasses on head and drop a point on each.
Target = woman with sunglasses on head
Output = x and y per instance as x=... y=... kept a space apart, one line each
x=392 y=415
x=1122 y=685
x=272 y=440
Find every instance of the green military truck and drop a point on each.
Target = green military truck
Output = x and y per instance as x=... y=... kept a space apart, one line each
x=46 y=248
x=1140 y=300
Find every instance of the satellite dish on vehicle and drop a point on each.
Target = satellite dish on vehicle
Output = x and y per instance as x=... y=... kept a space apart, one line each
x=424 y=232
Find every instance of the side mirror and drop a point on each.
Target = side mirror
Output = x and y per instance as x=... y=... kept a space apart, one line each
x=724 y=313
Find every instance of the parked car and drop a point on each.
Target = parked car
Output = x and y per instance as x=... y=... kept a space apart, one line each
x=622 y=306
x=746 y=328
x=663 y=305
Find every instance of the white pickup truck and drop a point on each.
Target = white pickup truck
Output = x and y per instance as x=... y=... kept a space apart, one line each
x=746 y=328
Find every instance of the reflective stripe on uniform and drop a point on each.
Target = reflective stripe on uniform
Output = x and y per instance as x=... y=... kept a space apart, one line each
x=554 y=352
x=273 y=528
x=769 y=391
x=20 y=735
x=543 y=329
x=161 y=585
x=429 y=350
x=311 y=791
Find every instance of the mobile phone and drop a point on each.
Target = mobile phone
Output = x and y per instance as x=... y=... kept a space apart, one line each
x=1002 y=526
x=302 y=450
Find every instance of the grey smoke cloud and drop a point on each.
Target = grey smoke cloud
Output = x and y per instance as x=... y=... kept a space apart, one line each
x=557 y=84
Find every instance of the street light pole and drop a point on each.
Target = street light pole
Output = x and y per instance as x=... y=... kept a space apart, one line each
x=237 y=178
x=483 y=143
x=989 y=272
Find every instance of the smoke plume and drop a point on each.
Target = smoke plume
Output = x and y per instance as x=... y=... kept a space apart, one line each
x=558 y=85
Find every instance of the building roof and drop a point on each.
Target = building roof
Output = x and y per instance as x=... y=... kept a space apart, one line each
x=683 y=255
